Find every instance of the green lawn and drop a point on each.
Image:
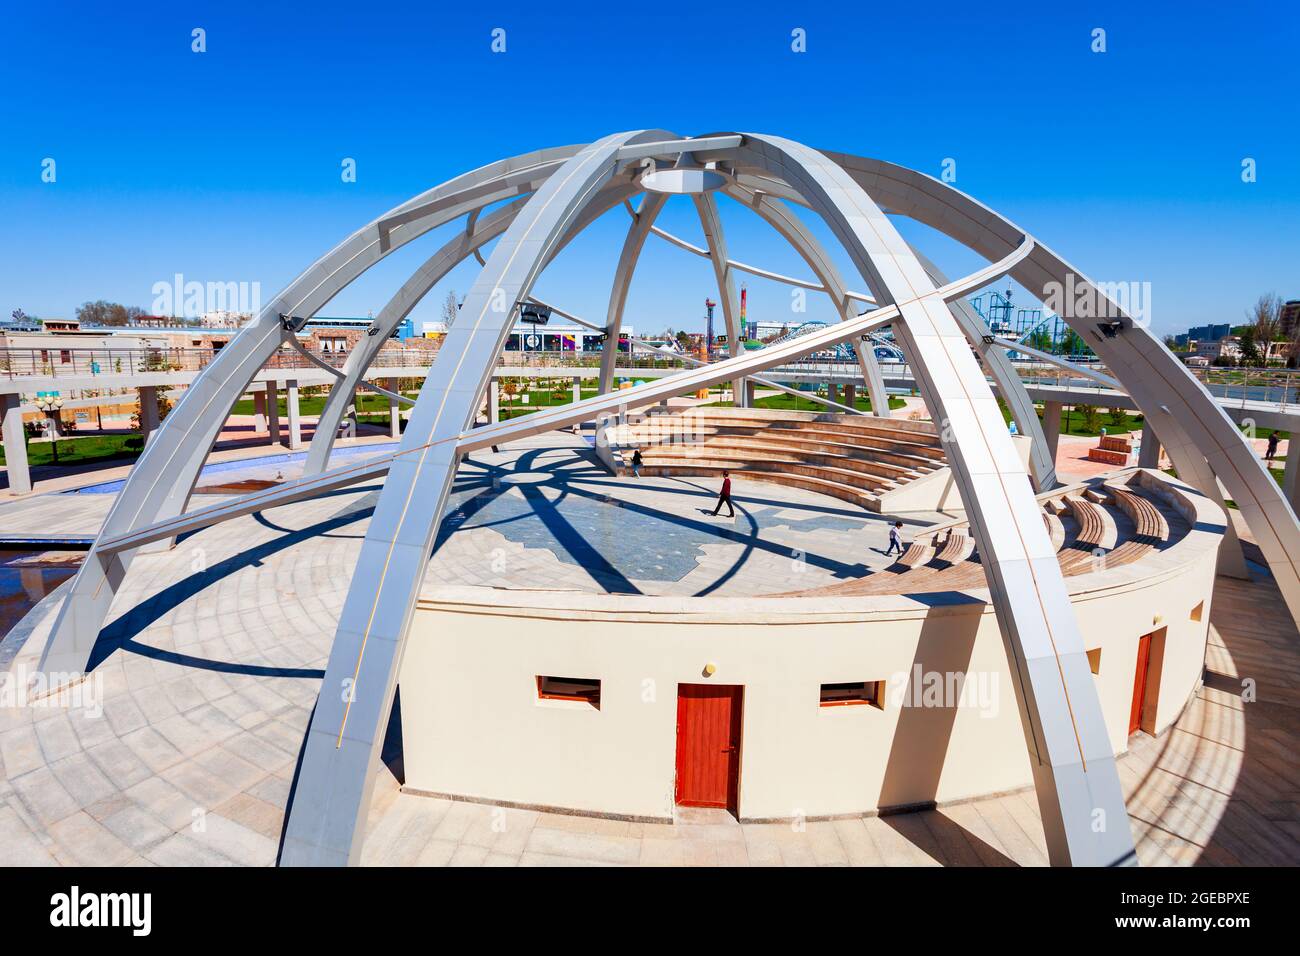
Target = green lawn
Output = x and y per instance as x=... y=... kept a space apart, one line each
x=514 y=407
x=314 y=404
x=81 y=451
x=788 y=402
x=1072 y=422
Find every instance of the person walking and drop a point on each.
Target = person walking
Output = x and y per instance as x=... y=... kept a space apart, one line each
x=895 y=539
x=1272 y=446
x=724 y=496
x=636 y=462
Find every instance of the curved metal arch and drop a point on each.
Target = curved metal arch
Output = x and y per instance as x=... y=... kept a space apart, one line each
x=470 y=242
x=342 y=746
x=1056 y=360
x=792 y=229
x=1203 y=443
x=161 y=480
x=739 y=266
x=478 y=233
x=755 y=190
x=1070 y=754
x=1042 y=459
x=706 y=206
x=642 y=224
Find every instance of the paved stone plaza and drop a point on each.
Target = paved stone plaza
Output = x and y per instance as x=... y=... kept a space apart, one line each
x=183 y=745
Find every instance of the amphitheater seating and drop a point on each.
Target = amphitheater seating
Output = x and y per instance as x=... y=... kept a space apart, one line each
x=1151 y=528
x=1097 y=531
x=850 y=457
x=1111 y=449
x=1055 y=529
x=1099 y=515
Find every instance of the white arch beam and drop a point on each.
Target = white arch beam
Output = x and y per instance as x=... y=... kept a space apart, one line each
x=1073 y=764
x=1081 y=370
x=714 y=240
x=161 y=480
x=1042 y=458
x=780 y=218
x=1200 y=438
x=643 y=220
x=342 y=746
x=477 y=234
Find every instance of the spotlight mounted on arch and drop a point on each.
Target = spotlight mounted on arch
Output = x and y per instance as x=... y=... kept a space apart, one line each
x=534 y=314
x=1110 y=329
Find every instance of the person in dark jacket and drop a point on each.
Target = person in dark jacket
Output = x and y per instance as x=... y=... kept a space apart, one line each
x=1272 y=446
x=636 y=462
x=724 y=496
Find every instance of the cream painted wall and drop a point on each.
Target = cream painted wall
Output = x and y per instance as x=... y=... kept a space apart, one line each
x=472 y=725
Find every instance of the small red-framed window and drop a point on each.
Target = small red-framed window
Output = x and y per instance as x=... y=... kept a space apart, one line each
x=583 y=689
x=854 y=692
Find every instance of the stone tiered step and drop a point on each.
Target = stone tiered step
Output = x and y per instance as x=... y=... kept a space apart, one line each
x=853 y=458
x=1100 y=515
x=1111 y=449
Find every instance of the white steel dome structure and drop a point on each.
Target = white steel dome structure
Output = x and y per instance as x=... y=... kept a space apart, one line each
x=533 y=205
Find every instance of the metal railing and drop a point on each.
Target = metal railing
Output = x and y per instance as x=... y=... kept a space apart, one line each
x=513 y=359
x=1231 y=386
x=81 y=362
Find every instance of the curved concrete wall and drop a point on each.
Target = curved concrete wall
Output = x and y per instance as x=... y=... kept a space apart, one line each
x=473 y=726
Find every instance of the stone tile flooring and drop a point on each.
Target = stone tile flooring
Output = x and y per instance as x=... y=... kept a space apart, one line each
x=180 y=748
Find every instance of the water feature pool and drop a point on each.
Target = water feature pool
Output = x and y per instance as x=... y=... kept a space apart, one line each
x=26 y=577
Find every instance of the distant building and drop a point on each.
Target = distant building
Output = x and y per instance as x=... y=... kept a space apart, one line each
x=60 y=325
x=563 y=338
x=1290 y=318
x=224 y=319
x=1225 y=346
x=1204 y=334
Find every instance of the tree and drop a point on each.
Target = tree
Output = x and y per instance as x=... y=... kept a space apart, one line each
x=449 y=309
x=684 y=340
x=1072 y=343
x=1250 y=347
x=101 y=312
x=1266 y=318
x=1040 y=339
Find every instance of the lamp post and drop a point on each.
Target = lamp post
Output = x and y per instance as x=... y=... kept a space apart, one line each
x=50 y=403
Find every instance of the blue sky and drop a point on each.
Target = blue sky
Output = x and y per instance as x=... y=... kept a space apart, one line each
x=225 y=166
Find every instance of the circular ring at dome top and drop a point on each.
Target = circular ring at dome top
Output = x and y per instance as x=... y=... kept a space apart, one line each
x=683 y=180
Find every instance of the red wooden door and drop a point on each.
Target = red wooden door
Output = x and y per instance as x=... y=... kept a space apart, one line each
x=708 y=745
x=1139 y=684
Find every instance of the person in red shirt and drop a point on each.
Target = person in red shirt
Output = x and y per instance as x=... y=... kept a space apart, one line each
x=724 y=496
